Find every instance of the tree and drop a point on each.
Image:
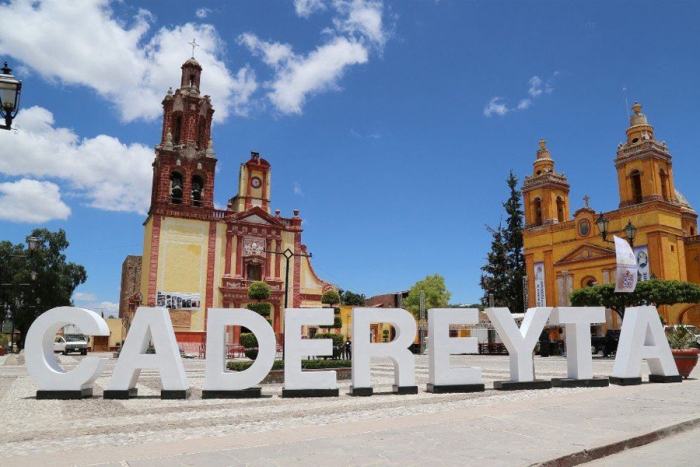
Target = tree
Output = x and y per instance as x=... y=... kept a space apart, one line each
x=493 y=280
x=652 y=292
x=56 y=281
x=332 y=297
x=259 y=290
x=504 y=271
x=436 y=294
x=352 y=299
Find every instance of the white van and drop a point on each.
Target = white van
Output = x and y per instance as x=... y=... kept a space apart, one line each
x=71 y=343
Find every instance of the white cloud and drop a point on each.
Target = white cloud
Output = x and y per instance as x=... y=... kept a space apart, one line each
x=524 y=104
x=84 y=297
x=297 y=77
x=306 y=8
x=297 y=189
x=81 y=43
x=31 y=201
x=103 y=171
x=202 y=13
x=537 y=87
x=361 y=17
x=357 y=28
x=496 y=106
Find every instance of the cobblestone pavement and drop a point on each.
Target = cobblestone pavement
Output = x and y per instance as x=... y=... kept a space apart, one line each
x=356 y=430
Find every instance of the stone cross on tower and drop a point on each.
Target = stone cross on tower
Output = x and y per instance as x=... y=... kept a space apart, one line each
x=193 y=44
x=585 y=200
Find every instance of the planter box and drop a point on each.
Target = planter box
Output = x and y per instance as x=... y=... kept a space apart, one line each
x=685 y=359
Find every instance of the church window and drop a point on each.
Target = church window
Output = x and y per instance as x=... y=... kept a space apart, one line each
x=538 y=212
x=636 y=179
x=192 y=80
x=664 y=184
x=589 y=281
x=197 y=189
x=176 y=188
x=253 y=272
x=560 y=209
x=177 y=129
x=692 y=231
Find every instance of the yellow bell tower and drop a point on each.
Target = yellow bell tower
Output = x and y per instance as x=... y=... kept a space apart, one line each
x=545 y=192
x=643 y=164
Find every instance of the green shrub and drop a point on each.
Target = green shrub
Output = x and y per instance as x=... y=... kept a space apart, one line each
x=258 y=290
x=337 y=323
x=336 y=310
x=251 y=353
x=330 y=297
x=248 y=340
x=338 y=339
x=263 y=309
x=305 y=365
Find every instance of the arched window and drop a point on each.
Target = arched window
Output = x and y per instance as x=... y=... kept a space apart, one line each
x=664 y=184
x=588 y=281
x=636 y=179
x=538 y=211
x=692 y=231
x=176 y=188
x=197 y=190
x=253 y=272
x=177 y=129
x=560 y=209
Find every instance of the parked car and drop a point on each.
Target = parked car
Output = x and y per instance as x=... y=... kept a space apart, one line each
x=71 y=343
x=606 y=344
x=692 y=329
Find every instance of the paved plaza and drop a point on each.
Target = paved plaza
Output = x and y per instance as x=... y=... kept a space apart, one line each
x=494 y=428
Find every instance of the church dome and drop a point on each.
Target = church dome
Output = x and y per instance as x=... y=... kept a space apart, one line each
x=682 y=200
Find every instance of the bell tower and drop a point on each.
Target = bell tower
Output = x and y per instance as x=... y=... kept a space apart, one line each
x=644 y=165
x=184 y=167
x=253 y=184
x=545 y=192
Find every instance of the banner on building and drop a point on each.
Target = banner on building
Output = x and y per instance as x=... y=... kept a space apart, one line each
x=540 y=291
x=642 y=255
x=178 y=300
x=626 y=275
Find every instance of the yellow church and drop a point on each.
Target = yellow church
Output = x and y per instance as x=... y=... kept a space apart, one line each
x=197 y=257
x=565 y=251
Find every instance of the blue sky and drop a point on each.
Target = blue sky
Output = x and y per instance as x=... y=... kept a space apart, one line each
x=391 y=125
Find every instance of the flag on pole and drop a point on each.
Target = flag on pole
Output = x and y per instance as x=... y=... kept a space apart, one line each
x=626 y=276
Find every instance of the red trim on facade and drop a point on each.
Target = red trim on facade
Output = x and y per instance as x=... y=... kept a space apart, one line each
x=153 y=262
x=190 y=336
x=211 y=270
x=239 y=250
x=229 y=253
x=296 y=287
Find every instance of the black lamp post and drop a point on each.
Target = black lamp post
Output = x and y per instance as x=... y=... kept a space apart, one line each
x=10 y=91
x=603 y=223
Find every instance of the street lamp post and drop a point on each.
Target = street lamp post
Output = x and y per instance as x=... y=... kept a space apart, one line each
x=32 y=243
x=10 y=92
x=603 y=223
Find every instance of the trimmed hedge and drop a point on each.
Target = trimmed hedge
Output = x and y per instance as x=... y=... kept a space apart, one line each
x=258 y=290
x=337 y=323
x=338 y=339
x=305 y=365
x=263 y=309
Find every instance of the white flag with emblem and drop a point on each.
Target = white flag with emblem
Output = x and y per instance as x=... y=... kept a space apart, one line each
x=626 y=276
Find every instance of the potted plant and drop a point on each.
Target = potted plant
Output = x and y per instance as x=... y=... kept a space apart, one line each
x=685 y=355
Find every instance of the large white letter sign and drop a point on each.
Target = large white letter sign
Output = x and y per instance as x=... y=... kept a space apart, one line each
x=398 y=349
x=53 y=381
x=219 y=384
x=442 y=378
x=520 y=344
x=299 y=383
x=642 y=337
x=579 y=360
x=150 y=323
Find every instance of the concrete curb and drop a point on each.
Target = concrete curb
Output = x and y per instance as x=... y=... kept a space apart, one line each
x=589 y=455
